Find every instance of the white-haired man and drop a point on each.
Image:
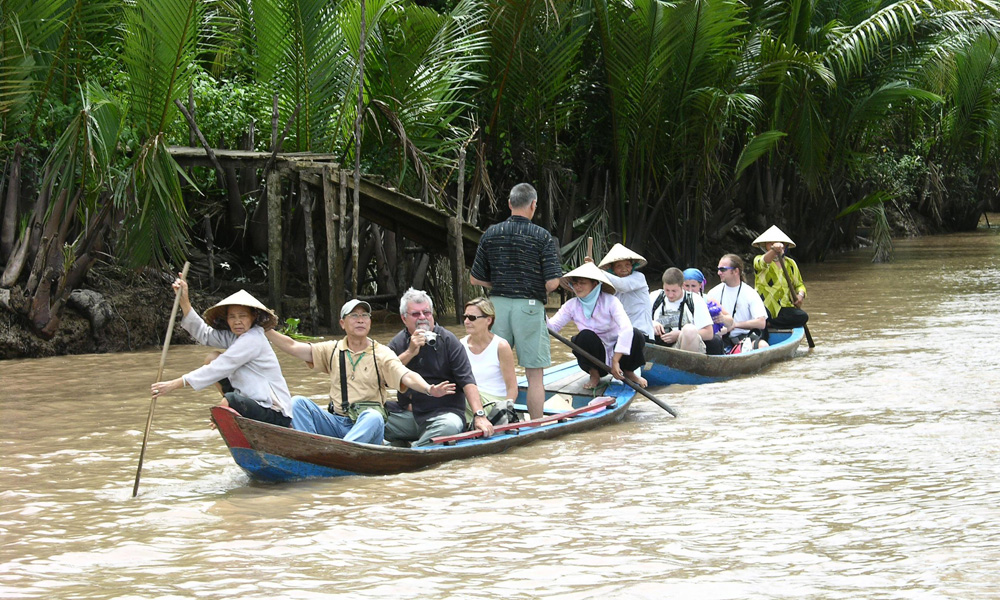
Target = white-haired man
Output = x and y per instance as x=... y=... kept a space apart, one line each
x=437 y=355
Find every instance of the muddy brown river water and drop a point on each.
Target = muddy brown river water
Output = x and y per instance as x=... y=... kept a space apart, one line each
x=867 y=468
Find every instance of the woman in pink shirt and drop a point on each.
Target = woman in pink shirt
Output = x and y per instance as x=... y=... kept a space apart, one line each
x=605 y=329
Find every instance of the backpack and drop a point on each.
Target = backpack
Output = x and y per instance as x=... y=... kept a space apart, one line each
x=687 y=301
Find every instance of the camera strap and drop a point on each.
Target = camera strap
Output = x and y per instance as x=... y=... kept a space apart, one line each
x=344 y=402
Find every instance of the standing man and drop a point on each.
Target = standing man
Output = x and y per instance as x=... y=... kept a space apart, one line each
x=436 y=354
x=775 y=276
x=519 y=262
x=360 y=369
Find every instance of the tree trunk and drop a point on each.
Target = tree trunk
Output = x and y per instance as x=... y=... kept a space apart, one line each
x=306 y=199
x=9 y=228
x=23 y=250
x=334 y=252
x=274 y=240
x=210 y=248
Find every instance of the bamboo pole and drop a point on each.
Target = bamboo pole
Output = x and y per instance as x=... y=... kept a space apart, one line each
x=159 y=377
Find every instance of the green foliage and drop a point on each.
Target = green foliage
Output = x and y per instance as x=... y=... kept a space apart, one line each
x=225 y=110
x=664 y=122
x=291 y=329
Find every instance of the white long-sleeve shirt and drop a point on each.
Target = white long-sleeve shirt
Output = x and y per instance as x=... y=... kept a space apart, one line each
x=248 y=361
x=633 y=292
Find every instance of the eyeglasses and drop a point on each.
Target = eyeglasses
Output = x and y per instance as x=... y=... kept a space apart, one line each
x=420 y=313
x=724 y=269
x=474 y=317
x=359 y=316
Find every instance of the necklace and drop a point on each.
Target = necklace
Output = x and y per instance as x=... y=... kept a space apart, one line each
x=354 y=362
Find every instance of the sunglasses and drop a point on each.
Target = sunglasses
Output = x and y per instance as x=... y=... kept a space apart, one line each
x=357 y=316
x=474 y=317
x=724 y=269
x=421 y=313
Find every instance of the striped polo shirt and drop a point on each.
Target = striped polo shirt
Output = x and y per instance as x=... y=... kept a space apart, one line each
x=517 y=257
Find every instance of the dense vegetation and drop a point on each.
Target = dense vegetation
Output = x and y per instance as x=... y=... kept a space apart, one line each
x=667 y=125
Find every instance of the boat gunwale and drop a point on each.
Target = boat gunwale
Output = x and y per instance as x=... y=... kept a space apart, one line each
x=721 y=366
x=370 y=459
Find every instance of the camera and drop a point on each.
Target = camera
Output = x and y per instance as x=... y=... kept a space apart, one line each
x=431 y=338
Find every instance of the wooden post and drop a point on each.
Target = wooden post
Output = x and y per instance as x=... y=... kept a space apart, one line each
x=334 y=253
x=274 y=240
x=461 y=186
x=458 y=247
x=457 y=252
x=210 y=246
x=343 y=217
x=355 y=236
x=306 y=199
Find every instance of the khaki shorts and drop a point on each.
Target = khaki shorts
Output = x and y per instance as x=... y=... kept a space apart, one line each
x=521 y=321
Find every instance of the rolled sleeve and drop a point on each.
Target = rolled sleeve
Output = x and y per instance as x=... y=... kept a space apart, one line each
x=205 y=335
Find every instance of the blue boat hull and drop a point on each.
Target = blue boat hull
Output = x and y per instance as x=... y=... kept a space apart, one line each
x=275 y=454
x=666 y=366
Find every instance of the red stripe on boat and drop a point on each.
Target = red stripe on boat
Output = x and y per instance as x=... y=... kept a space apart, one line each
x=225 y=419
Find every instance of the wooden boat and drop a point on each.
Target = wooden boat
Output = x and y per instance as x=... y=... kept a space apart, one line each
x=271 y=453
x=666 y=366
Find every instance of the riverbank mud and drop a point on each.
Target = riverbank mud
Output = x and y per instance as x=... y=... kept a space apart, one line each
x=134 y=308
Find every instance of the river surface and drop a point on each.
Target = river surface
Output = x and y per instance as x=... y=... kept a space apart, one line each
x=868 y=468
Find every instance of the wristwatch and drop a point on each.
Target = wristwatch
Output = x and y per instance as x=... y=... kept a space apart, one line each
x=480 y=413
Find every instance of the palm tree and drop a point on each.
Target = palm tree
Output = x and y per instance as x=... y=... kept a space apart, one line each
x=87 y=183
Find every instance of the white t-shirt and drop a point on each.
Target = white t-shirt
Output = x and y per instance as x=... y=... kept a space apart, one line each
x=668 y=312
x=741 y=301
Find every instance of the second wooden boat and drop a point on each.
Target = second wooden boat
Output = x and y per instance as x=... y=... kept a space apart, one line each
x=665 y=366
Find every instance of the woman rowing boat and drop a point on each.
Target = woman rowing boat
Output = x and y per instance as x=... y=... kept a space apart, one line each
x=236 y=325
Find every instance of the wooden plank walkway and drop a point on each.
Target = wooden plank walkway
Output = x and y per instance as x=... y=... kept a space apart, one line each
x=320 y=176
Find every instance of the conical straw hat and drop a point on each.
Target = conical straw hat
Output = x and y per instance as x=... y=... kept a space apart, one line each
x=619 y=252
x=241 y=298
x=773 y=235
x=590 y=271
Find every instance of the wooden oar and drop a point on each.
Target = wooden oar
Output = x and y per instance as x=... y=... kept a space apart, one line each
x=598 y=404
x=590 y=248
x=159 y=376
x=791 y=295
x=601 y=364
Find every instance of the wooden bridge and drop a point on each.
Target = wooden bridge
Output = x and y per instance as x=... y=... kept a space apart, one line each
x=319 y=176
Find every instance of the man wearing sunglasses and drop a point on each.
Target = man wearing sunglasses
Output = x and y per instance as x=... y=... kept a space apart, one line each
x=743 y=311
x=438 y=356
x=360 y=369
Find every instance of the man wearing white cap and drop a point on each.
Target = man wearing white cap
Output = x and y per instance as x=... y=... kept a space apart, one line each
x=360 y=369
x=775 y=276
x=236 y=325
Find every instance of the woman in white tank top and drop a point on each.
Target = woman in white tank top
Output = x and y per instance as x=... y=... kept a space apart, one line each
x=490 y=355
